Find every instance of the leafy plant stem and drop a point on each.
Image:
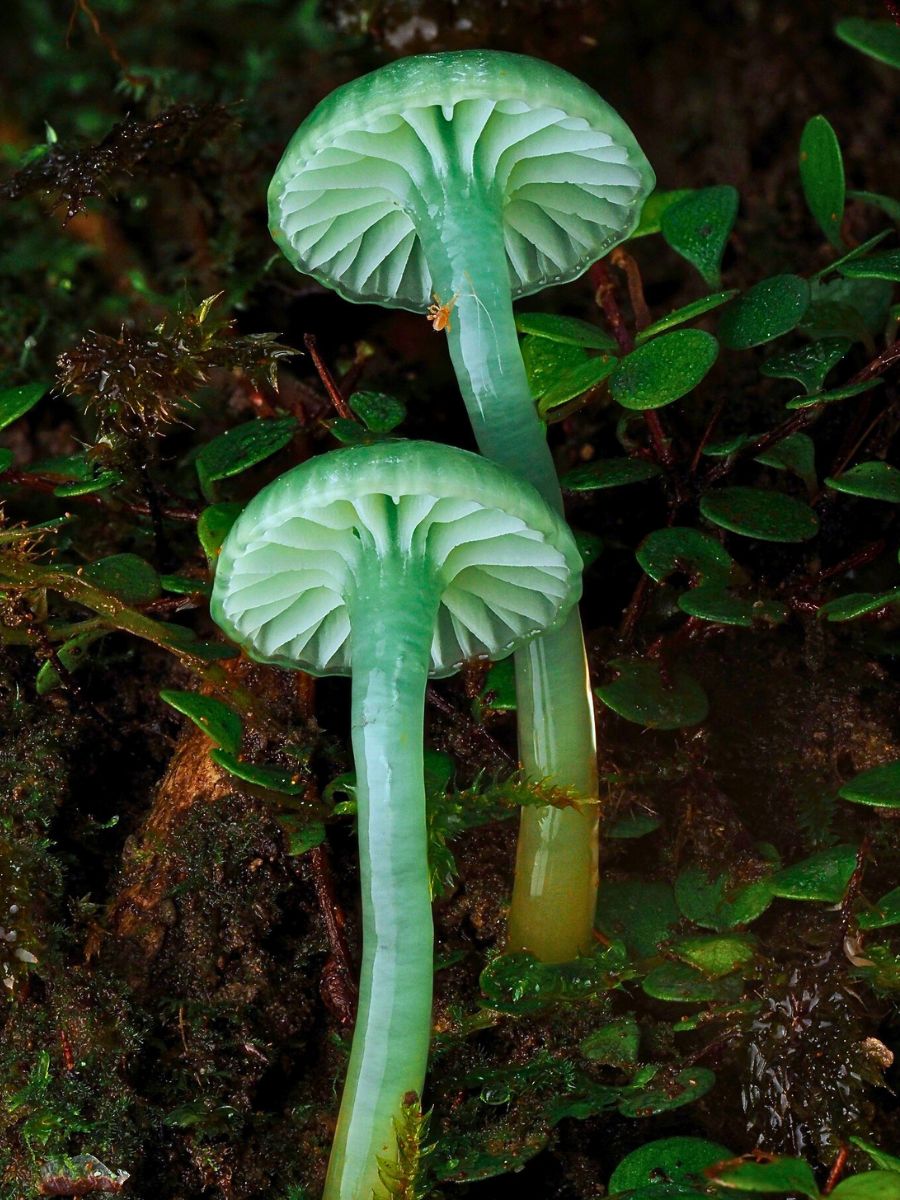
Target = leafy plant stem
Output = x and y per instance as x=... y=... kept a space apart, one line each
x=18 y=574
x=804 y=418
x=49 y=483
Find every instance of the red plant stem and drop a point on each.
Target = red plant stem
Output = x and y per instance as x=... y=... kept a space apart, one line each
x=338 y=984
x=879 y=364
x=49 y=484
x=836 y=1171
x=635 y=607
x=605 y=296
x=859 y=559
x=805 y=417
x=622 y=259
x=328 y=380
x=707 y=434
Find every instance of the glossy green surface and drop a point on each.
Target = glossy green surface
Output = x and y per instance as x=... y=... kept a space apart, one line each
x=391 y=562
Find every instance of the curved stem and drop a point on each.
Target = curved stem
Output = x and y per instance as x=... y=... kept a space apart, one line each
x=555 y=888
x=393 y=621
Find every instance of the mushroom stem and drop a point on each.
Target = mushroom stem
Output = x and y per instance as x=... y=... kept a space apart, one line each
x=555 y=887
x=467 y=256
x=393 y=618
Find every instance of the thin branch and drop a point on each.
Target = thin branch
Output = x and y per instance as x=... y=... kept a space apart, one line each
x=338 y=984
x=328 y=380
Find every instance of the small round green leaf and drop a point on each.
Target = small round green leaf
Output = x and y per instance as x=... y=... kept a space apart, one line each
x=213 y=526
x=810 y=364
x=259 y=775
x=302 y=834
x=676 y=1160
x=16 y=401
x=875 y=266
x=871 y=1185
x=888 y=205
x=219 y=722
x=698 y=228
x=822 y=876
x=615 y=1044
x=632 y=825
x=671 y=1093
x=662 y=371
x=840 y=393
x=6 y=460
x=779 y=1175
x=858 y=604
x=608 y=473
x=883 y=914
x=642 y=694
x=349 y=432
x=687 y=313
x=378 y=411
x=714 y=954
x=499 y=691
x=878 y=787
x=881 y=1158
x=641 y=913
x=768 y=516
x=546 y=361
x=849 y=308
x=72 y=656
x=575 y=382
x=771 y=308
x=723 y=447
x=243 y=447
x=874 y=480
x=822 y=177
x=679 y=983
x=721 y=902
x=796 y=453
x=128 y=576
x=568 y=330
x=714 y=603
x=690 y=551
x=878 y=39
x=654 y=207
x=590 y=547
x=185 y=585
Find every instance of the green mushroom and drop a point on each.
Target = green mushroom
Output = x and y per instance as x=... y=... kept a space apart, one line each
x=390 y=563
x=450 y=184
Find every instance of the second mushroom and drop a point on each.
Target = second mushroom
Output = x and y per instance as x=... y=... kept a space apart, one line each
x=391 y=563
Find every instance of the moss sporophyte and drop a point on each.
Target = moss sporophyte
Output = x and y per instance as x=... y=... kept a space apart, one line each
x=468 y=179
x=390 y=563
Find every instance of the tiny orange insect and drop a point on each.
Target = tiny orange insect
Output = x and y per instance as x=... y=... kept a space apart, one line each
x=439 y=314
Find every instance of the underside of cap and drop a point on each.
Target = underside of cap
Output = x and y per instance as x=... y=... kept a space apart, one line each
x=505 y=566
x=381 y=156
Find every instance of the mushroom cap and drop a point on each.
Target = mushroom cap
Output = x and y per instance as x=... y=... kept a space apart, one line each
x=505 y=564
x=371 y=164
